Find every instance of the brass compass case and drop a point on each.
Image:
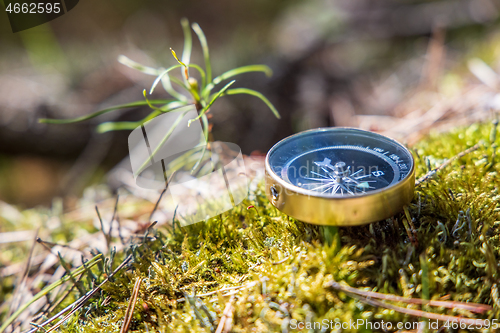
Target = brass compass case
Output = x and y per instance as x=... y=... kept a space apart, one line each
x=339 y=176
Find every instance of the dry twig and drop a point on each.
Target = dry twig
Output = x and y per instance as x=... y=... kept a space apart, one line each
x=246 y=286
x=366 y=297
x=131 y=306
x=22 y=284
x=226 y=321
x=78 y=303
x=431 y=173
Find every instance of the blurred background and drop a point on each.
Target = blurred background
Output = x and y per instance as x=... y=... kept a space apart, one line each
x=385 y=65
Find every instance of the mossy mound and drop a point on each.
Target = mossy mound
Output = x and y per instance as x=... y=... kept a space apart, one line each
x=445 y=246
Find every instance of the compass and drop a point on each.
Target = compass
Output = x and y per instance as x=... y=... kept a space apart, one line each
x=339 y=176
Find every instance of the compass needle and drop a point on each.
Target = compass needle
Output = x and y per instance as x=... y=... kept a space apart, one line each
x=336 y=189
x=356 y=172
x=319 y=187
x=312 y=184
x=318 y=179
x=315 y=173
x=327 y=172
x=347 y=190
x=349 y=179
x=327 y=189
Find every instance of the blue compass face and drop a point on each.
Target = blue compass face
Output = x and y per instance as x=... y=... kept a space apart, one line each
x=341 y=170
x=340 y=162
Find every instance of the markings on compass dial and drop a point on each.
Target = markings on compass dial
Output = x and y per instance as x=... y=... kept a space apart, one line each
x=338 y=179
x=327 y=173
x=402 y=166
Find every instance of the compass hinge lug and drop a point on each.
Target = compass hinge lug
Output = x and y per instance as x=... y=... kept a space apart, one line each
x=274 y=192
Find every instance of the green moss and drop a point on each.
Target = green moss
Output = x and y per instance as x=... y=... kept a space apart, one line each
x=284 y=265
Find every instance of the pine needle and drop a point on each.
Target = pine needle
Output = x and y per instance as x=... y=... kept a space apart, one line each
x=131 y=306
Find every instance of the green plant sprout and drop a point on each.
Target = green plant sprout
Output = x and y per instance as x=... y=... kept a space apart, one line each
x=190 y=92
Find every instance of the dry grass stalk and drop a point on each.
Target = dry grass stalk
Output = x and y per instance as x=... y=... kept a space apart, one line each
x=235 y=288
x=22 y=286
x=131 y=306
x=431 y=173
x=422 y=314
x=366 y=297
x=77 y=305
x=473 y=307
x=226 y=320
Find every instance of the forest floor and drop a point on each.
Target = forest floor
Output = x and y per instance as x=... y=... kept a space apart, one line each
x=255 y=269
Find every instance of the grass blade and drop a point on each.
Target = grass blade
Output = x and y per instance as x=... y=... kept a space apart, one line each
x=77 y=305
x=131 y=125
x=205 y=109
x=186 y=84
x=181 y=83
x=163 y=73
x=185 y=71
x=162 y=142
x=237 y=71
x=119 y=125
x=159 y=77
x=68 y=273
x=135 y=65
x=167 y=85
x=167 y=107
x=98 y=113
x=202 y=74
x=206 y=53
x=206 y=127
x=188 y=43
x=256 y=94
x=49 y=288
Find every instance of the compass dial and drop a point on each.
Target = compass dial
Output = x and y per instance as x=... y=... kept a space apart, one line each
x=340 y=162
x=341 y=170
